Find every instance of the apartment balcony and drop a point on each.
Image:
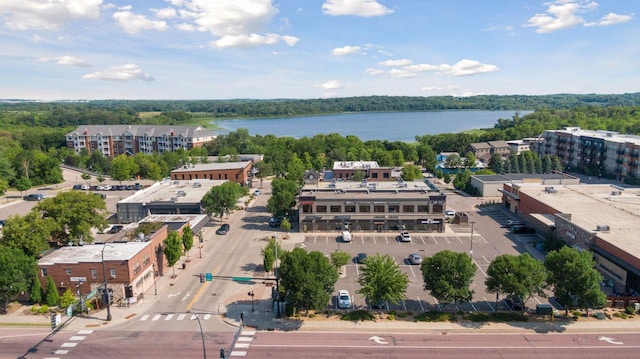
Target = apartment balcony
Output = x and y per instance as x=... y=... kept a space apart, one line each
x=619 y=161
x=635 y=154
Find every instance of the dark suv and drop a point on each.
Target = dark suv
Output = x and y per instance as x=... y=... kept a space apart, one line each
x=224 y=229
x=34 y=197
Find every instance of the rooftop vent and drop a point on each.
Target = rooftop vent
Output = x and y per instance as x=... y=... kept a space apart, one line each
x=602 y=228
x=616 y=193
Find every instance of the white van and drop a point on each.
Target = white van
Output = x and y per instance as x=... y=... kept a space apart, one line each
x=344 y=299
x=346 y=236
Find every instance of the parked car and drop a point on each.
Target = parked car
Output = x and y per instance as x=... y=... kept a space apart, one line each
x=115 y=228
x=512 y=222
x=450 y=213
x=257 y=192
x=405 y=237
x=346 y=236
x=102 y=195
x=344 y=299
x=34 y=197
x=361 y=258
x=414 y=258
x=137 y=186
x=522 y=229
x=224 y=229
x=77 y=187
x=85 y=187
x=275 y=221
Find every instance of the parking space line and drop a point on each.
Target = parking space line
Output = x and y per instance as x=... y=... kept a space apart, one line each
x=473 y=306
x=459 y=240
x=486 y=260
x=477 y=265
x=489 y=304
x=420 y=302
x=434 y=240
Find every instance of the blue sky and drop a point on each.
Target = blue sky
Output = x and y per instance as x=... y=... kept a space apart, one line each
x=223 y=49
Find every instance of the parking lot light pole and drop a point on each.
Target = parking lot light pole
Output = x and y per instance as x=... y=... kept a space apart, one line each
x=106 y=290
x=471 y=240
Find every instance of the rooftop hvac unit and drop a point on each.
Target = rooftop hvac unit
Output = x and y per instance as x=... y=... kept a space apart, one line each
x=616 y=193
x=602 y=228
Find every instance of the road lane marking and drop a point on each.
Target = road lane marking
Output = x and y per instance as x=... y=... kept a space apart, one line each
x=68 y=345
x=236 y=353
x=169 y=316
x=378 y=340
x=156 y=317
x=78 y=337
x=85 y=332
x=181 y=316
x=144 y=317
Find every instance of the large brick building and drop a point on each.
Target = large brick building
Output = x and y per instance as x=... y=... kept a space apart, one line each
x=115 y=140
x=238 y=172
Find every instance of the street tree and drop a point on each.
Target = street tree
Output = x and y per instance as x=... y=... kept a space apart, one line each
x=75 y=213
x=295 y=170
x=574 y=278
x=187 y=239
x=35 y=289
x=221 y=200
x=381 y=280
x=22 y=184
x=340 y=258
x=522 y=276
x=123 y=167
x=269 y=254
x=308 y=278
x=448 y=276
x=172 y=249
x=283 y=196
x=30 y=233
x=51 y=297
x=16 y=273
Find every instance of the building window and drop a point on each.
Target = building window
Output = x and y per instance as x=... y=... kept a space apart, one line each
x=350 y=208
x=43 y=271
x=422 y=208
x=321 y=209
x=394 y=208
x=145 y=260
x=378 y=208
x=374 y=175
x=68 y=271
x=94 y=273
x=112 y=273
x=386 y=175
x=336 y=209
x=365 y=208
x=408 y=208
x=137 y=268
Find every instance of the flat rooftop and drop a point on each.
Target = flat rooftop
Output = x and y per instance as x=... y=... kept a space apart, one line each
x=92 y=253
x=213 y=166
x=354 y=165
x=371 y=189
x=591 y=205
x=175 y=191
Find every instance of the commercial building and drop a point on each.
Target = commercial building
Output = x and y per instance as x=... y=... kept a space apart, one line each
x=371 y=206
x=602 y=218
x=115 y=140
x=165 y=197
x=492 y=185
x=345 y=170
x=238 y=172
x=599 y=153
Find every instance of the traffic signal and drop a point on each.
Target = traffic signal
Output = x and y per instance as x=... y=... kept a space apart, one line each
x=201 y=278
x=54 y=321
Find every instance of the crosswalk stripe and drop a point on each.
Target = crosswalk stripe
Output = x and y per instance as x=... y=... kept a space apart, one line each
x=85 y=332
x=242 y=345
x=207 y=316
x=181 y=316
x=77 y=337
x=237 y=353
x=169 y=316
x=156 y=317
x=144 y=317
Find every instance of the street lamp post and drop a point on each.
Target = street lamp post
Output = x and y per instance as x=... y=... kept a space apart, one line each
x=200 y=242
x=275 y=246
x=106 y=290
x=204 y=348
x=471 y=241
x=155 y=287
x=251 y=294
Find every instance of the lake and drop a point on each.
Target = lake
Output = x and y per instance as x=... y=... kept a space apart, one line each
x=391 y=126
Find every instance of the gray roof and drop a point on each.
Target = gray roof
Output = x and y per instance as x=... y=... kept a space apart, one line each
x=213 y=166
x=142 y=130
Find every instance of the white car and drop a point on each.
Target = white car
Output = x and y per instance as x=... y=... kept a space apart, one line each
x=450 y=213
x=405 y=237
x=346 y=236
x=344 y=299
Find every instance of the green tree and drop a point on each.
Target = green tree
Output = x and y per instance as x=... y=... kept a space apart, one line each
x=16 y=271
x=308 y=277
x=67 y=298
x=123 y=167
x=340 y=258
x=283 y=196
x=22 y=184
x=35 y=290
x=295 y=170
x=172 y=249
x=521 y=276
x=52 y=297
x=187 y=240
x=30 y=233
x=358 y=175
x=496 y=163
x=75 y=213
x=574 y=278
x=285 y=225
x=381 y=280
x=411 y=172
x=222 y=199
x=269 y=254
x=469 y=160
x=448 y=276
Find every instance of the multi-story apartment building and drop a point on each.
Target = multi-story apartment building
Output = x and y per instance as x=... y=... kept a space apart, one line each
x=115 y=140
x=484 y=150
x=371 y=206
x=596 y=153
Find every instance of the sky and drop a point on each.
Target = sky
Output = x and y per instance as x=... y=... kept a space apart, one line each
x=302 y=49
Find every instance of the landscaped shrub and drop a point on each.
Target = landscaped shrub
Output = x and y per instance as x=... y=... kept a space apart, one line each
x=479 y=317
x=391 y=316
x=357 y=315
x=436 y=316
x=629 y=309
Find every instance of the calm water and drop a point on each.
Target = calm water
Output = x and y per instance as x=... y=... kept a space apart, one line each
x=391 y=126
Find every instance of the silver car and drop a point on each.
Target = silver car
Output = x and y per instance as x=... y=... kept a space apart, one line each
x=414 y=258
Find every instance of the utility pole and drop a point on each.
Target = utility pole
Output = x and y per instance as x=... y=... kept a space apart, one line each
x=471 y=241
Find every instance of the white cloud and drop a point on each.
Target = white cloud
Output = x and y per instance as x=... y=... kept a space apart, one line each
x=46 y=15
x=36 y=38
x=562 y=14
x=392 y=63
x=333 y=84
x=364 y=8
x=166 y=13
x=252 y=40
x=185 y=27
x=374 y=72
x=466 y=67
x=421 y=67
x=611 y=19
x=346 y=50
x=402 y=73
x=438 y=88
x=125 y=72
x=133 y=24
x=66 y=60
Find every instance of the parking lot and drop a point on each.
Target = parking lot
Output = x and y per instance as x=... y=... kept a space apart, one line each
x=490 y=239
